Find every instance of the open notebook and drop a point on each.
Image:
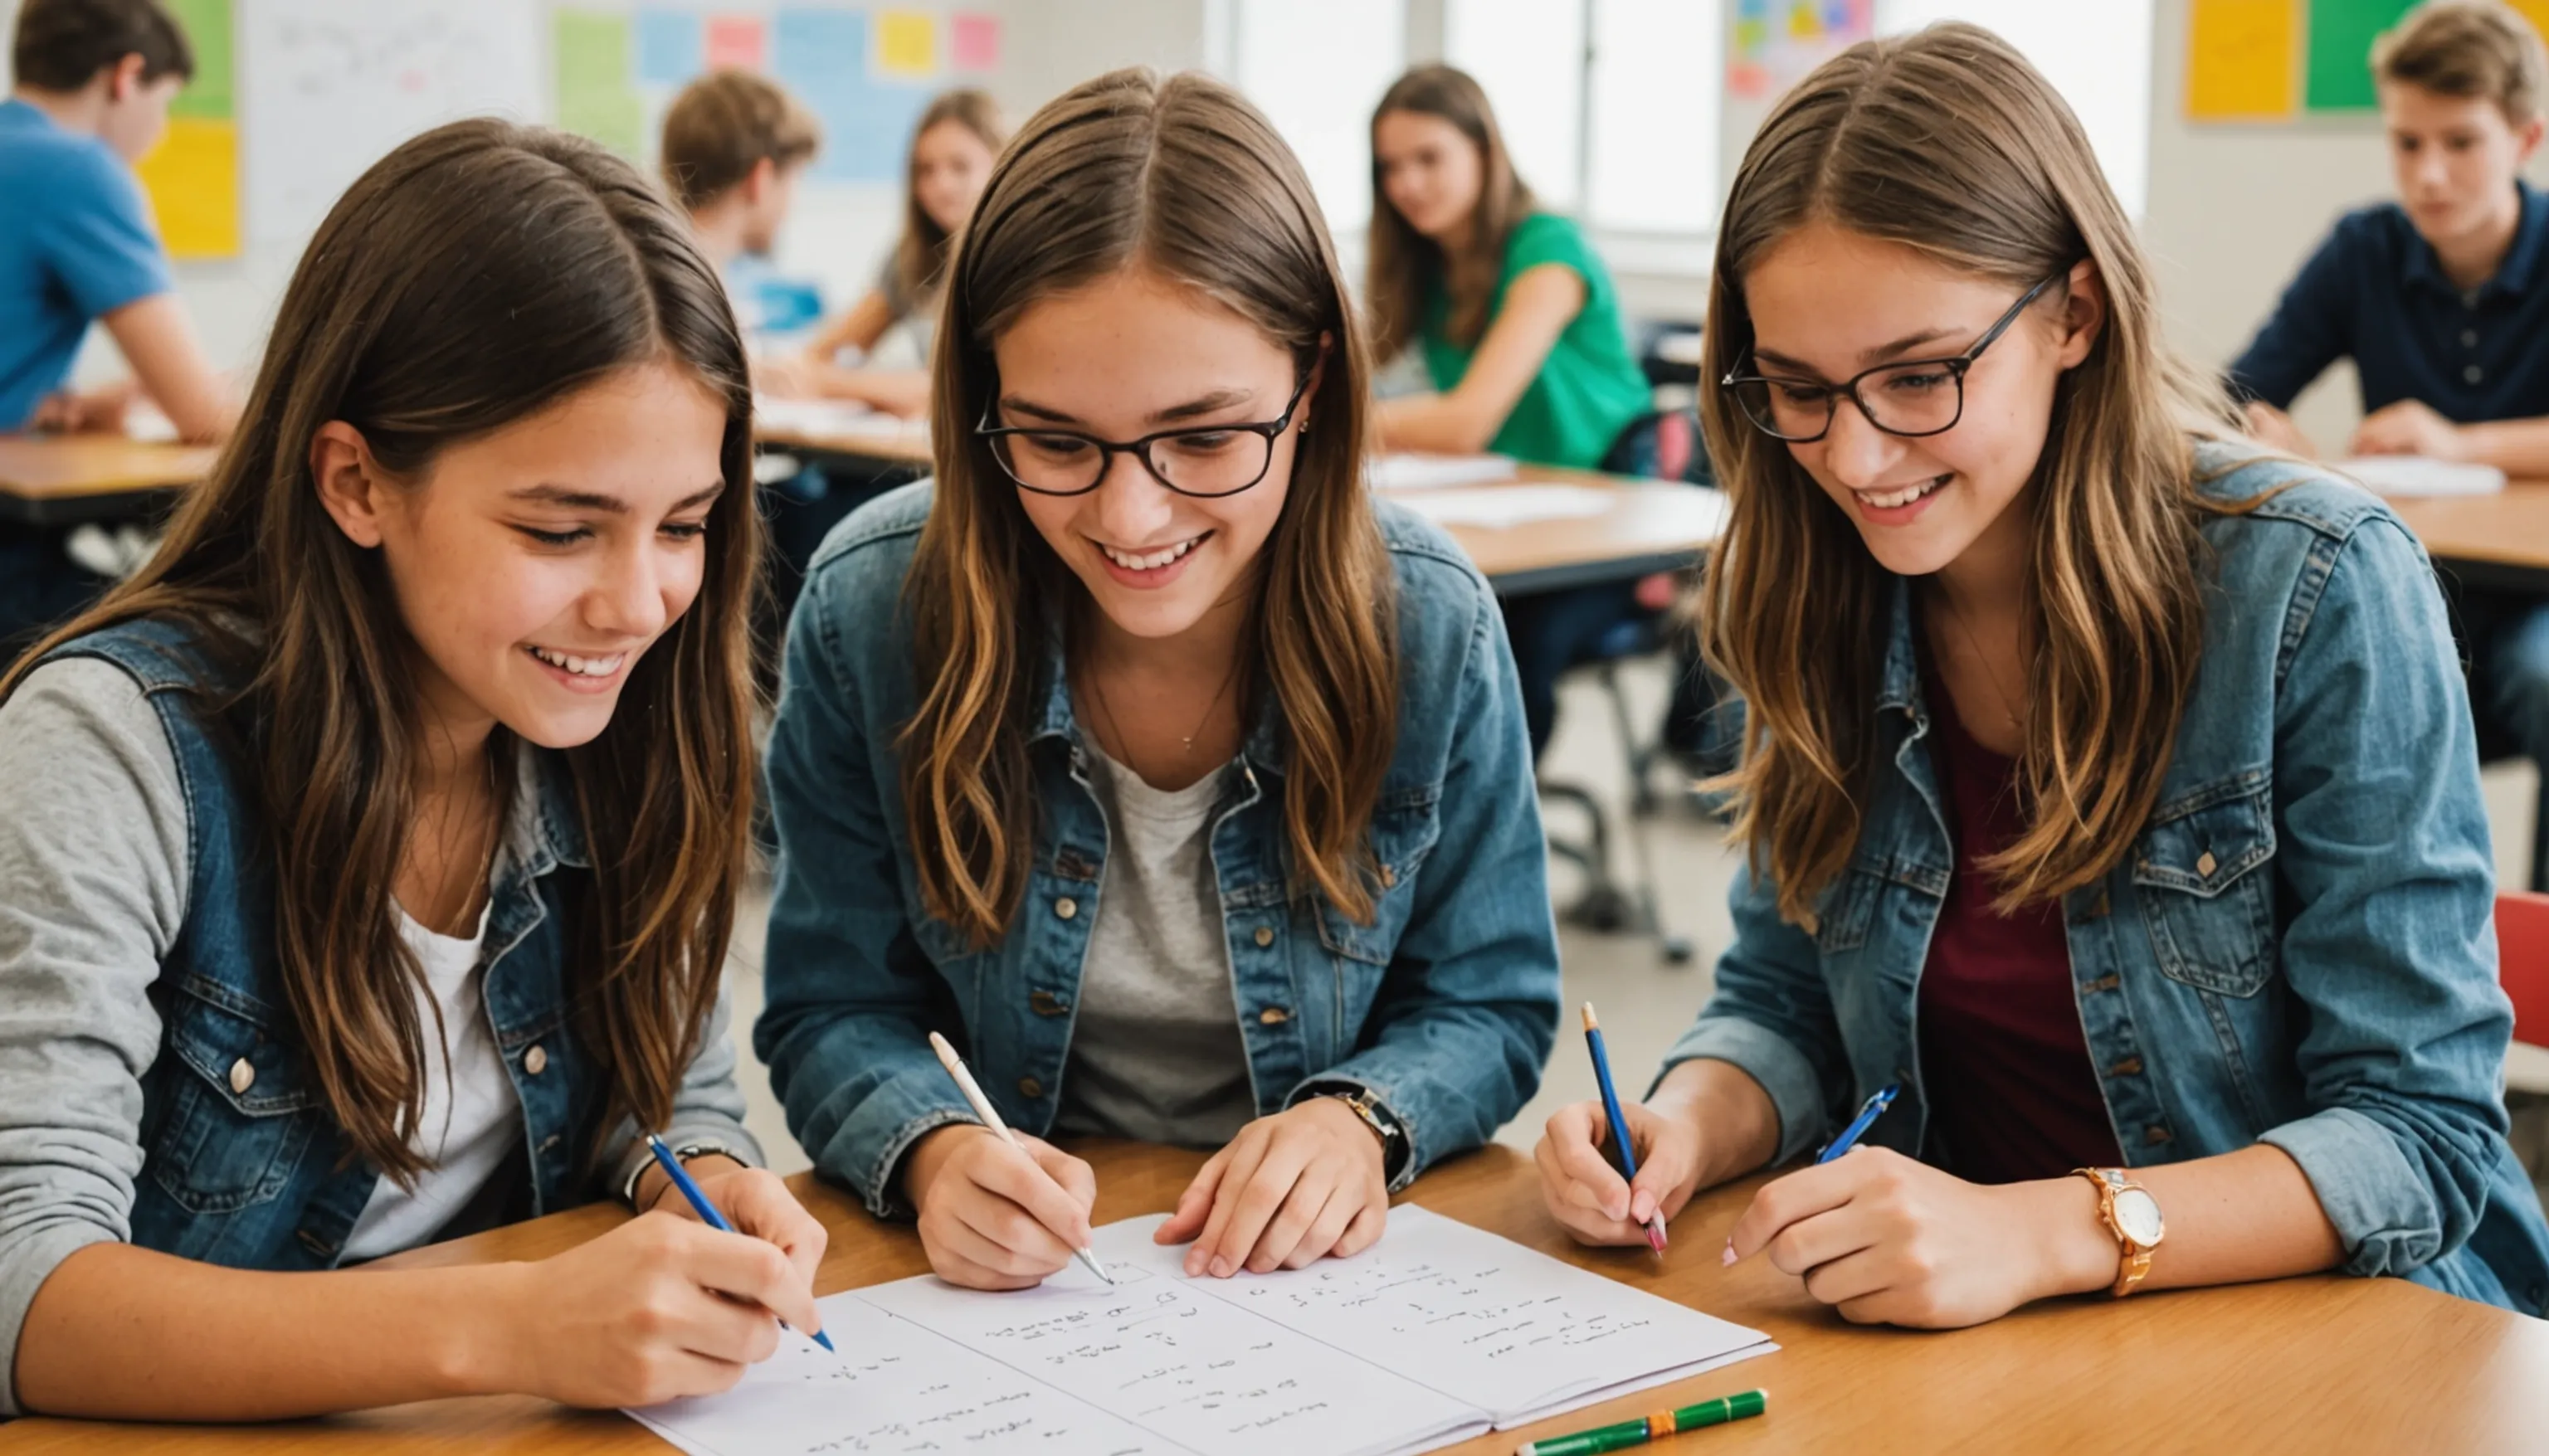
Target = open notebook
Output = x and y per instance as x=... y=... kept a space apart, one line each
x=1437 y=1334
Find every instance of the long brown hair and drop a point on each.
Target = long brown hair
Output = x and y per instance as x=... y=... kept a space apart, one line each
x=1401 y=261
x=1183 y=178
x=477 y=275
x=922 y=256
x=1946 y=142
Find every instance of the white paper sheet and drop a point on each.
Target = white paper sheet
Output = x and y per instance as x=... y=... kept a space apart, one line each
x=1502 y=1327
x=2414 y=475
x=892 y=1388
x=1403 y=472
x=1434 y=1336
x=1169 y=1357
x=1502 y=508
x=837 y=422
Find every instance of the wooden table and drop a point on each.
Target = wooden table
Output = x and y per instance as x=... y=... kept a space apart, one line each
x=2497 y=540
x=2318 y=1364
x=57 y=479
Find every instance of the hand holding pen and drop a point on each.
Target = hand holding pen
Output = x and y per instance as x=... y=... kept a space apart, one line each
x=998 y=1210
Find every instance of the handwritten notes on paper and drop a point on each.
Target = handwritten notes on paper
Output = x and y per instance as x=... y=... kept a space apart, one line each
x=1436 y=1334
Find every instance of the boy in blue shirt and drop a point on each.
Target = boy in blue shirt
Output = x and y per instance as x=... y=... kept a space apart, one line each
x=93 y=82
x=2442 y=300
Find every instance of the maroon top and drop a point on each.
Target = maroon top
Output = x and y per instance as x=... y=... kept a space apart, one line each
x=2004 y=1062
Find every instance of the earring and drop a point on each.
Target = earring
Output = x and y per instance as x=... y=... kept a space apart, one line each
x=1305 y=427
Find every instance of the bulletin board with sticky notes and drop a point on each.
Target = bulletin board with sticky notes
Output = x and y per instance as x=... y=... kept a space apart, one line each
x=2279 y=61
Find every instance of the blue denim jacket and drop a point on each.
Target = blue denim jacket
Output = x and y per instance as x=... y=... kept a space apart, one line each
x=252 y=1171
x=1444 y=1007
x=2300 y=950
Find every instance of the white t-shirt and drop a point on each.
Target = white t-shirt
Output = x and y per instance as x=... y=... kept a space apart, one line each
x=472 y=1116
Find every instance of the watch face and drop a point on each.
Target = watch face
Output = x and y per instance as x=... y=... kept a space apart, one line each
x=2137 y=1214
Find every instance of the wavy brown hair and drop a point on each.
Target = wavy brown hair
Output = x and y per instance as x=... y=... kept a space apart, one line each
x=921 y=254
x=474 y=277
x=1949 y=143
x=1401 y=261
x=1184 y=179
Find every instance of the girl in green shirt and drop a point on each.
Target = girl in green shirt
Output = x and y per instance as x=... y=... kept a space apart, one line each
x=1520 y=328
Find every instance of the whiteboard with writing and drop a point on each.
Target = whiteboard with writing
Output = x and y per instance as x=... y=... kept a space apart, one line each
x=333 y=85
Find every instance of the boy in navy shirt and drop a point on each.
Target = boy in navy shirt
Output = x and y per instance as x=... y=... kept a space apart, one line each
x=93 y=82
x=2442 y=300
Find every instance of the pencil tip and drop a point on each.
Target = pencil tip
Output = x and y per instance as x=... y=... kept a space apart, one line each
x=1590 y=1023
x=824 y=1340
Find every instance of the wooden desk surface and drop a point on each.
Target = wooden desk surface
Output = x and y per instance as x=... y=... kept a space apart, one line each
x=46 y=479
x=2508 y=529
x=2321 y=1364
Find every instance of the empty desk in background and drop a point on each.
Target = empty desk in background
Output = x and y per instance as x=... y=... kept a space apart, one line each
x=2323 y=1363
x=64 y=480
x=2495 y=540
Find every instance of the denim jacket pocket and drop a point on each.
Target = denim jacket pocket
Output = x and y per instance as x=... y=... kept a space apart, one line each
x=241 y=1108
x=1404 y=830
x=2201 y=872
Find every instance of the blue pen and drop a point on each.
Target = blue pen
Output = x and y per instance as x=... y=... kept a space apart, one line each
x=1620 y=1143
x=706 y=1209
x=1868 y=1113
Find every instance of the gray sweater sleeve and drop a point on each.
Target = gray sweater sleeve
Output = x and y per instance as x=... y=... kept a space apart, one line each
x=94 y=862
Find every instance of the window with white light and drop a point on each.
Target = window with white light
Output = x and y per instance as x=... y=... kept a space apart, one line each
x=1317 y=68
x=2098 y=56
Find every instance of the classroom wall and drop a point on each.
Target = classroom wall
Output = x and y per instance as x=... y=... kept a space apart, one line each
x=839 y=232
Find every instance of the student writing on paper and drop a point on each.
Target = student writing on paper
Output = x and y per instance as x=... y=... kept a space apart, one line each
x=2442 y=300
x=1181 y=786
x=93 y=80
x=2107 y=782
x=1520 y=328
x=952 y=147
x=370 y=858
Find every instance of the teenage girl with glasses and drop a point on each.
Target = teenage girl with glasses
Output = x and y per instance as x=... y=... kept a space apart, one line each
x=2107 y=785
x=1142 y=756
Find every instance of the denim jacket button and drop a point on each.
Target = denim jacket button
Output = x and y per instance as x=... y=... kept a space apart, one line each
x=2204 y=862
x=1046 y=1003
x=1273 y=1016
x=1030 y=1088
x=1066 y=907
x=1388 y=877
x=535 y=1060
x=1265 y=936
x=243 y=1076
x=2155 y=1134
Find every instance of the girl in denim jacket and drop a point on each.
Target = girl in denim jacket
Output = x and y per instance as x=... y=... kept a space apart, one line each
x=1142 y=756
x=367 y=862
x=2107 y=785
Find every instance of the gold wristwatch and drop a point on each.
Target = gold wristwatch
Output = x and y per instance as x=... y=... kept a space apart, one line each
x=2132 y=1216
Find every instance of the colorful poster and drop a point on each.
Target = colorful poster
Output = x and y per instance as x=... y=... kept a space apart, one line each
x=736 y=43
x=670 y=49
x=192 y=176
x=2338 y=68
x=824 y=57
x=1775 y=42
x=2241 y=61
x=973 y=41
x=908 y=43
x=595 y=94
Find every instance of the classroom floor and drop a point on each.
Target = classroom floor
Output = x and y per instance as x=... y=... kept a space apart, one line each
x=1644 y=1003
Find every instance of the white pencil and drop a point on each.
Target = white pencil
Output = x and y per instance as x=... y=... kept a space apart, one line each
x=991 y=1117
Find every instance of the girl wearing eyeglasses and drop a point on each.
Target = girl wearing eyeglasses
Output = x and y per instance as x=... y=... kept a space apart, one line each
x=1142 y=756
x=2107 y=786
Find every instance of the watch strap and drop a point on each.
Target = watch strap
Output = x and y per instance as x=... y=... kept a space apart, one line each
x=2133 y=1256
x=682 y=1154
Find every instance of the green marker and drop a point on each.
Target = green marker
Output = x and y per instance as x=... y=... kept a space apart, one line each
x=1628 y=1434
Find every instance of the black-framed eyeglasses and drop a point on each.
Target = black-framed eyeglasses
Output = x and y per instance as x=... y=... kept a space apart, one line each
x=1205 y=461
x=1908 y=398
